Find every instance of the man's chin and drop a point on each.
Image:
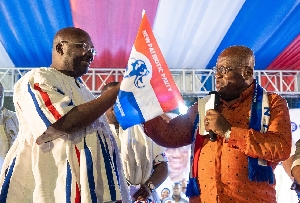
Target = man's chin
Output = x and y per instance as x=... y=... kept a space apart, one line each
x=84 y=70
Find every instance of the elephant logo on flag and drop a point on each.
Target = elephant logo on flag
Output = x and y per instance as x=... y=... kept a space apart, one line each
x=139 y=70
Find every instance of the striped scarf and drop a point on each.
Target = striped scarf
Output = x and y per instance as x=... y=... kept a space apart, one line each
x=259 y=170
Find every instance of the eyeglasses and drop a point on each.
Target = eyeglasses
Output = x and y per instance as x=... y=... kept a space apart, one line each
x=224 y=70
x=82 y=45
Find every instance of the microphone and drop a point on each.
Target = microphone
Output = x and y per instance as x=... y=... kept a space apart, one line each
x=216 y=98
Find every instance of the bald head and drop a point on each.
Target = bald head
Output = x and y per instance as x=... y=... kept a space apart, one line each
x=237 y=56
x=72 y=51
x=234 y=71
x=69 y=34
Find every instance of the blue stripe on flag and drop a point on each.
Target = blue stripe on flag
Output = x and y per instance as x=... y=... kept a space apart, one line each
x=89 y=166
x=6 y=182
x=126 y=102
x=38 y=109
x=68 y=183
x=108 y=169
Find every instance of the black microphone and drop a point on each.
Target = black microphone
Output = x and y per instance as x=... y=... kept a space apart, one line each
x=212 y=135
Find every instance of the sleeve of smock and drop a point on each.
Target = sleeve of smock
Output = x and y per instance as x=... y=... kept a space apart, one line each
x=41 y=101
x=275 y=144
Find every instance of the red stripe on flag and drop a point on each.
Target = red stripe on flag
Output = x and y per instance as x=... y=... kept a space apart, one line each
x=47 y=102
x=162 y=81
x=77 y=197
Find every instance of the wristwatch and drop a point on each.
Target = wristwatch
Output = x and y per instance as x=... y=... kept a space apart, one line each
x=151 y=186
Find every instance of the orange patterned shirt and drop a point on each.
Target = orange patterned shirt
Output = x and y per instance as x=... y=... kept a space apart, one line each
x=223 y=166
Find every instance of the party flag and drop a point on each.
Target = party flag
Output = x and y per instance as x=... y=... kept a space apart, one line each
x=147 y=89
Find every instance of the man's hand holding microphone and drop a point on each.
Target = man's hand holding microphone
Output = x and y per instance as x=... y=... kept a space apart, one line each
x=217 y=123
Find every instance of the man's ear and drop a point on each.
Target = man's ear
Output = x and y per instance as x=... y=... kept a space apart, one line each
x=59 y=48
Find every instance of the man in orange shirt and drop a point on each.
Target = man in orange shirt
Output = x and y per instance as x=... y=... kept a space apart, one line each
x=253 y=134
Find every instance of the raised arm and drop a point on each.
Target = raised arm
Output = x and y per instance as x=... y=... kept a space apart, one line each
x=80 y=116
x=175 y=133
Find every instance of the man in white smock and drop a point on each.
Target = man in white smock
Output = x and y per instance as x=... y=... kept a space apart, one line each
x=64 y=151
